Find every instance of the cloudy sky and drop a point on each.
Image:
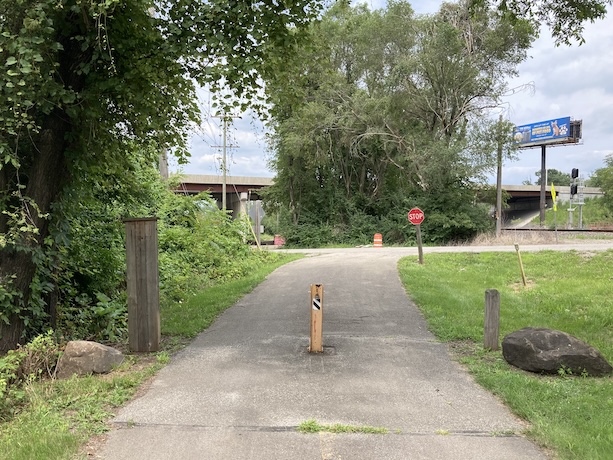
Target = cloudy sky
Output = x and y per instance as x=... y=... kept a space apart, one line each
x=565 y=81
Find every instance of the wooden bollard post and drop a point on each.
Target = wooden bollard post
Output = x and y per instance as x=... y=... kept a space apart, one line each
x=317 y=309
x=143 y=284
x=491 y=328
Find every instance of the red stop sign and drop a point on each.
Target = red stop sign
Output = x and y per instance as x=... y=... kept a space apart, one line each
x=416 y=216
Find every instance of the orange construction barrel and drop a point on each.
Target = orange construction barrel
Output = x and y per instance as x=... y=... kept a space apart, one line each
x=378 y=240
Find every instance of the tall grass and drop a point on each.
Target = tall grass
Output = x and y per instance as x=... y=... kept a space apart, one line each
x=593 y=212
x=61 y=415
x=566 y=291
x=187 y=318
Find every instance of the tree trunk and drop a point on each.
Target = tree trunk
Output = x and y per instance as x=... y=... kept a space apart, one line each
x=44 y=183
x=45 y=177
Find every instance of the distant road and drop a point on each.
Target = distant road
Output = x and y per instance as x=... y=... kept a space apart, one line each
x=523 y=218
x=595 y=245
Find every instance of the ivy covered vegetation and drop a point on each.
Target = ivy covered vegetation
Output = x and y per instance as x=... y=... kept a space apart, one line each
x=81 y=277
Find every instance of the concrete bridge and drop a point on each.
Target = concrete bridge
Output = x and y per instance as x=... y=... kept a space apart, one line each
x=526 y=197
x=240 y=190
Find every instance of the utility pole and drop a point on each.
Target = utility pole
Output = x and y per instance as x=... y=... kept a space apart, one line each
x=224 y=157
x=224 y=165
x=163 y=164
x=499 y=182
x=543 y=196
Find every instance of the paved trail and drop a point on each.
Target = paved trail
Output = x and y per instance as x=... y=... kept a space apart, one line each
x=243 y=386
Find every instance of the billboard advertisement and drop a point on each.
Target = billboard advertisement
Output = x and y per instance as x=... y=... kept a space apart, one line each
x=544 y=132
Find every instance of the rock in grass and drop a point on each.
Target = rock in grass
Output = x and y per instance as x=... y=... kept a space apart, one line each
x=82 y=357
x=549 y=351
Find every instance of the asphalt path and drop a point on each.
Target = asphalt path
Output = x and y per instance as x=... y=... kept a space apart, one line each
x=242 y=387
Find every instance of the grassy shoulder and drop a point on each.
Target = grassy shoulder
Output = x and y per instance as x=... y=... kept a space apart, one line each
x=593 y=213
x=55 y=418
x=567 y=291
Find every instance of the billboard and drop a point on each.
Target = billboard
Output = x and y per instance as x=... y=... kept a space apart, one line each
x=557 y=131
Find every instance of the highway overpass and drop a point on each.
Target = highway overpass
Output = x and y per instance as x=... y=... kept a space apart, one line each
x=241 y=189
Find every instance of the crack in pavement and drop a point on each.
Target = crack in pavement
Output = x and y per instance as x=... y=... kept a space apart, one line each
x=296 y=429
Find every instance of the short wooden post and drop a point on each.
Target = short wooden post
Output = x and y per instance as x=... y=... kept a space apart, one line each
x=521 y=265
x=317 y=309
x=491 y=327
x=143 y=284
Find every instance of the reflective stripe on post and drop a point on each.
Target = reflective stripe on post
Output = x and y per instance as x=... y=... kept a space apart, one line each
x=317 y=300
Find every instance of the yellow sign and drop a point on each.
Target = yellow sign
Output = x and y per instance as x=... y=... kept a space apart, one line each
x=553 y=197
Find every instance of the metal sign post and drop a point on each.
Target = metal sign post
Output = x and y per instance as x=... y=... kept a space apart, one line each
x=317 y=302
x=543 y=197
x=416 y=217
x=554 y=198
x=581 y=201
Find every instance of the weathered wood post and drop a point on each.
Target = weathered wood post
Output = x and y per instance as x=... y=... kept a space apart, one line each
x=491 y=325
x=521 y=265
x=143 y=284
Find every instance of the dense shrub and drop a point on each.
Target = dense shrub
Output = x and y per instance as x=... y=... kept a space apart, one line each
x=451 y=216
x=80 y=285
x=33 y=361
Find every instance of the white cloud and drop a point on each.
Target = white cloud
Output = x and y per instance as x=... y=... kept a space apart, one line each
x=572 y=81
x=245 y=148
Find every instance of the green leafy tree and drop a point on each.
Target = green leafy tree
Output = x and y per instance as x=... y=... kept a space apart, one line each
x=565 y=19
x=383 y=105
x=603 y=178
x=83 y=81
x=555 y=176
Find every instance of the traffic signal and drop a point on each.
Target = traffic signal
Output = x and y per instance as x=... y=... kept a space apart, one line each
x=573 y=189
x=575 y=173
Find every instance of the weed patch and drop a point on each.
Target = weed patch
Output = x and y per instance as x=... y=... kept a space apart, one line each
x=312 y=426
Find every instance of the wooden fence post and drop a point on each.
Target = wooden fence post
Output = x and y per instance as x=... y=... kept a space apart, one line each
x=491 y=327
x=143 y=284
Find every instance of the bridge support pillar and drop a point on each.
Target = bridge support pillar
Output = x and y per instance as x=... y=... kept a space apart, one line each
x=243 y=204
x=238 y=205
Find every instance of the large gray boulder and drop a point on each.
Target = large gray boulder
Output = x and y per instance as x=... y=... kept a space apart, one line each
x=548 y=351
x=82 y=357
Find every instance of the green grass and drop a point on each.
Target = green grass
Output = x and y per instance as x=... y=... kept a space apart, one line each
x=594 y=212
x=60 y=416
x=312 y=426
x=187 y=319
x=566 y=291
